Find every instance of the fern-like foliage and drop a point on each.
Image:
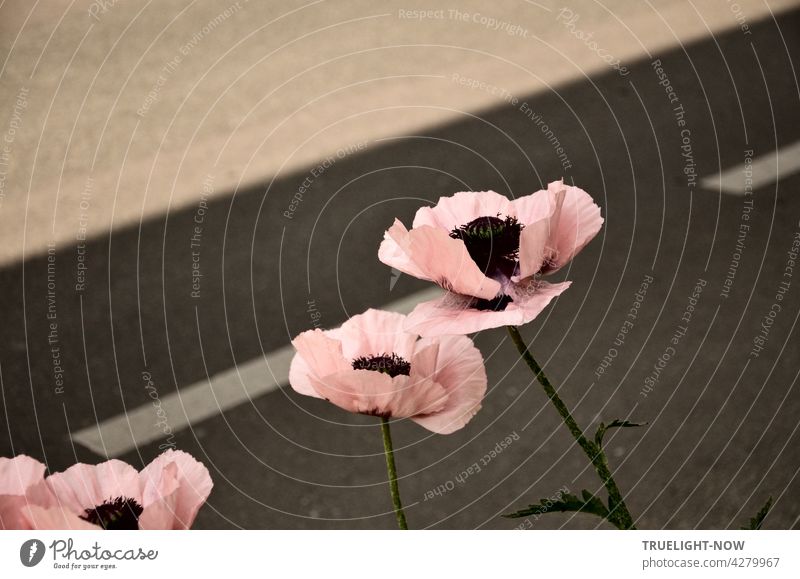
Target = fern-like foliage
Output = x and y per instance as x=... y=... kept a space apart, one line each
x=756 y=522
x=587 y=503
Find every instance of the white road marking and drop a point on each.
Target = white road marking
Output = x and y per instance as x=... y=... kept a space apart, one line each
x=191 y=404
x=765 y=169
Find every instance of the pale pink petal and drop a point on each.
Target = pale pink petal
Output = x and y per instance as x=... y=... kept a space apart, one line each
x=539 y=205
x=160 y=515
x=55 y=519
x=84 y=486
x=430 y=253
x=300 y=371
x=300 y=377
x=458 y=367
x=578 y=221
x=557 y=194
x=533 y=248
x=376 y=332
x=19 y=473
x=393 y=254
x=40 y=494
x=21 y=484
x=417 y=395
x=459 y=209
x=359 y=391
x=538 y=214
x=177 y=484
x=453 y=315
x=159 y=496
x=423 y=375
x=376 y=393
x=321 y=355
x=11 y=515
x=423 y=360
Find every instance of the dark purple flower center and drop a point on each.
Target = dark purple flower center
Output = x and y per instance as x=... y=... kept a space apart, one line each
x=390 y=364
x=119 y=514
x=497 y=304
x=492 y=243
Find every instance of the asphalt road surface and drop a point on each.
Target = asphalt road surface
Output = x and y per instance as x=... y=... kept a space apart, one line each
x=710 y=360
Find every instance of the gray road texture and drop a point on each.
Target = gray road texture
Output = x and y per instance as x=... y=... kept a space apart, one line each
x=723 y=428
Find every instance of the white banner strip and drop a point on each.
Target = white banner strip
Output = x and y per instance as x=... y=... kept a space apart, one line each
x=386 y=555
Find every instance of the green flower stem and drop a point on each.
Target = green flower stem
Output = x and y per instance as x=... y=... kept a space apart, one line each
x=390 y=466
x=619 y=516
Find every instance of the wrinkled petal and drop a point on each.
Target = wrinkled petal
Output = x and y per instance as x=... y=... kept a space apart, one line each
x=19 y=473
x=84 y=486
x=18 y=476
x=300 y=377
x=321 y=355
x=393 y=252
x=461 y=208
x=458 y=367
x=376 y=332
x=160 y=498
x=423 y=362
x=376 y=393
x=160 y=515
x=452 y=314
x=574 y=225
x=175 y=486
x=430 y=253
x=55 y=519
x=533 y=248
x=539 y=205
x=12 y=514
x=40 y=494
x=538 y=214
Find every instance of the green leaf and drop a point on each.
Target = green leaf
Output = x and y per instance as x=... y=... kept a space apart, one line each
x=567 y=503
x=758 y=520
x=603 y=428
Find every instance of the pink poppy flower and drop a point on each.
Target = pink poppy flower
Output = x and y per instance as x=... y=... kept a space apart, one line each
x=490 y=252
x=372 y=366
x=112 y=495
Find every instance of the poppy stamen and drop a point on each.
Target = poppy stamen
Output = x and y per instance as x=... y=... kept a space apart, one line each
x=497 y=304
x=119 y=514
x=492 y=243
x=390 y=364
